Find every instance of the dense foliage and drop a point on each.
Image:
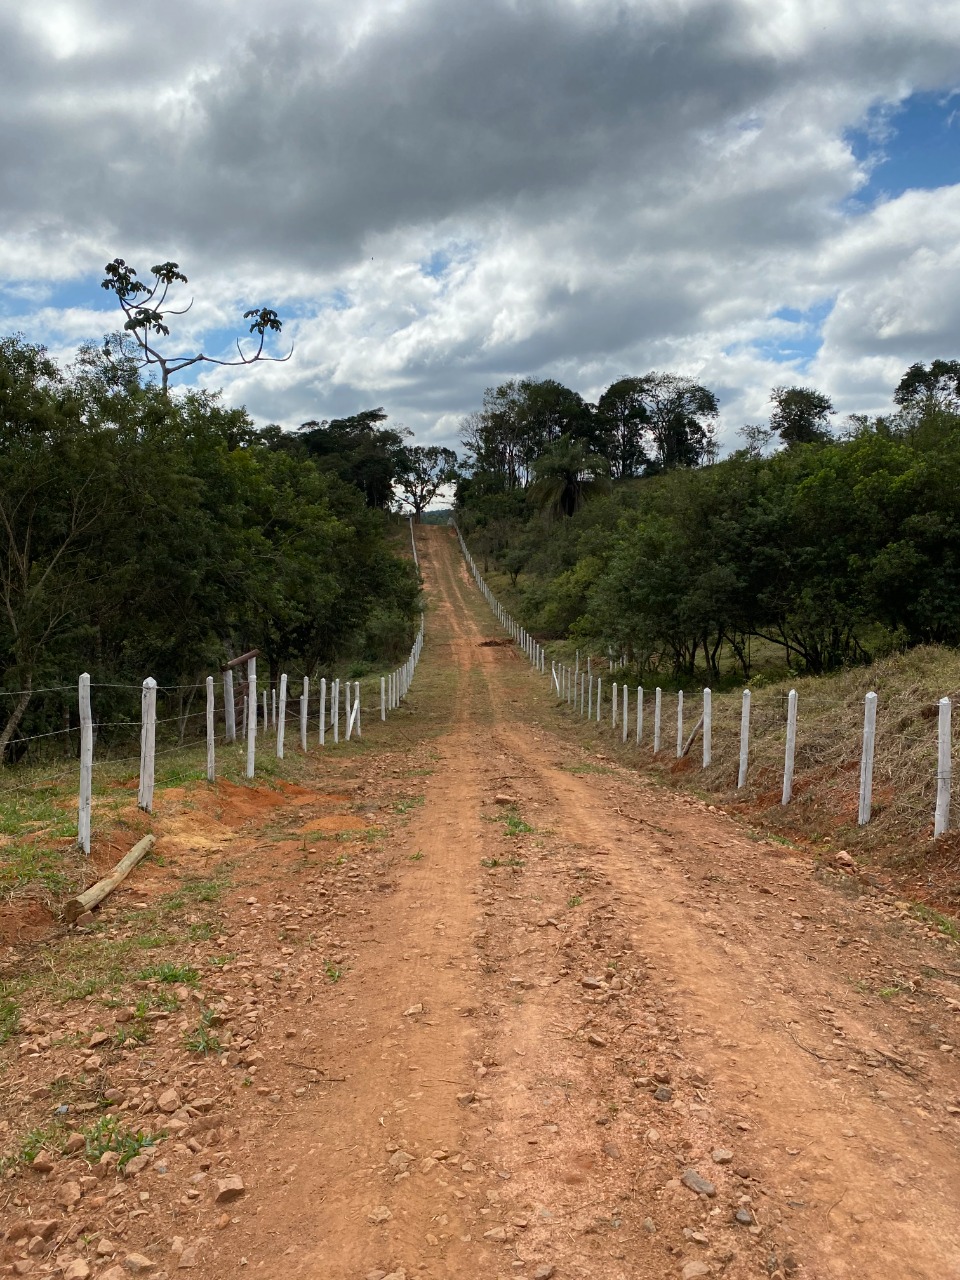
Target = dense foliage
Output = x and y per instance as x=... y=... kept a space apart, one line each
x=832 y=549
x=149 y=534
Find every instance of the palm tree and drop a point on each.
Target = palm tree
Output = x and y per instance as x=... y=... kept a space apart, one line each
x=566 y=475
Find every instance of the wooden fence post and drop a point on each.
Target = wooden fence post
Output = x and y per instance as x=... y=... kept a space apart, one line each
x=282 y=722
x=941 y=821
x=323 y=711
x=251 y=716
x=657 y=707
x=707 y=728
x=304 y=713
x=679 y=724
x=229 y=707
x=866 y=758
x=148 y=743
x=744 y=738
x=86 y=765
x=211 y=741
x=791 y=747
x=625 y=717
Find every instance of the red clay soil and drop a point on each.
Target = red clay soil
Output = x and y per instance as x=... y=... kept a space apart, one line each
x=542 y=1018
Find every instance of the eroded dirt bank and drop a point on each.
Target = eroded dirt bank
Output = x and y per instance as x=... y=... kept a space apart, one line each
x=488 y=1004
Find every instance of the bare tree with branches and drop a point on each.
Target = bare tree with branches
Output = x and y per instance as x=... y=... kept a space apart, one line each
x=145 y=309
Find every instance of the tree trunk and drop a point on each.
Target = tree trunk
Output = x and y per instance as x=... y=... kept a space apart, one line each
x=10 y=728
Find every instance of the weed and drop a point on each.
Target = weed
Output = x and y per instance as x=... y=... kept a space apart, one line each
x=408 y=803
x=9 y=1018
x=202 y=1039
x=202 y=932
x=219 y=961
x=334 y=971
x=108 y=1134
x=585 y=768
x=575 y=901
x=416 y=857
x=514 y=823
x=49 y=1138
x=132 y=1033
x=171 y=973
x=887 y=993
x=949 y=928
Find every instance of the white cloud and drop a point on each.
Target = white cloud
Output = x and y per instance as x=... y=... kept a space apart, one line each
x=613 y=188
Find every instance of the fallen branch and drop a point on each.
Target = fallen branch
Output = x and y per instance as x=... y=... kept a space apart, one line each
x=689 y=743
x=87 y=900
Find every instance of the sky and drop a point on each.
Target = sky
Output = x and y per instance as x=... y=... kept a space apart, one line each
x=437 y=196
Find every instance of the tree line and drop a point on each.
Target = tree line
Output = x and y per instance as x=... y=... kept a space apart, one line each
x=615 y=531
x=149 y=533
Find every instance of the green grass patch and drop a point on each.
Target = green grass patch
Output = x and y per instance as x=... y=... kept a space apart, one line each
x=202 y=1038
x=947 y=926
x=173 y=973
x=108 y=1134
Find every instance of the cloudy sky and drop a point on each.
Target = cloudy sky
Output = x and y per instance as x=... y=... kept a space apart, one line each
x=437 y=196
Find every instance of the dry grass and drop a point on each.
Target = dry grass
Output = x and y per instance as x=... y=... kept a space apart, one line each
x=827 y=768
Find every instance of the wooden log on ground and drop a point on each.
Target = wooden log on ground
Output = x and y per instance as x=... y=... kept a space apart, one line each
x=87 y=900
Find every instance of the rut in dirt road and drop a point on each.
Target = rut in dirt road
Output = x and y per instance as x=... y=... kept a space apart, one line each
x=598 y=1032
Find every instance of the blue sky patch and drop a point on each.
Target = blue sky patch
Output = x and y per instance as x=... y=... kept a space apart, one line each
x=913 y=145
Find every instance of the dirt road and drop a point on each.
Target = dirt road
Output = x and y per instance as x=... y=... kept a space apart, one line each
x=559 y=1022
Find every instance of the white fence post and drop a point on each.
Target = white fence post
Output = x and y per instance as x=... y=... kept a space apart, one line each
x=335 y=710
x=599 y=696
x=273 y=707
x=589 y=697
x=348 y=712
x=613 y=707
x=251 y=716
x=356 y=707
x=243 y=726
x=383 y=698
x=323 y=711
x=282 y=722
x=639 y=713
x=941 y=821
x=707 y=727
x=866 y=758
x=625 y=717
x=679 y=724
x=148 y=743
x=744 y=738
x=266 y=718
x=657 y=708
x=791 y=747
x=211 y=741
x=304 y=712
x=86 y=765
x=229 y=707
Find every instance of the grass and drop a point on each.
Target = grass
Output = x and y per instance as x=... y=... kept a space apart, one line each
x=416 y=857
x=333 y=971
x=9 y=1018
x=575 y=901
x=184 y=974
x=490 y=863
x=108 y=1134
x=948 y=927
x=202 y=1039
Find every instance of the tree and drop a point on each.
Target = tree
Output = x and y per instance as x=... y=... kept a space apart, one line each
x=681 y=417
x=566 y=474
x=933 y=387
x=800 y=416
x=145 y=309
x=422 y=473
x=623 y=420
x=358 y=450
